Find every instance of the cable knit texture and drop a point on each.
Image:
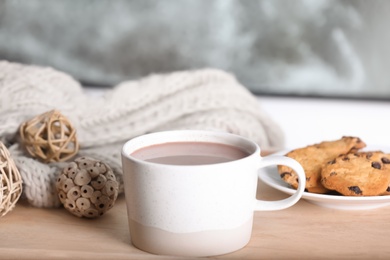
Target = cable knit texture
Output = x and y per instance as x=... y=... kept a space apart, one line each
x=199 y=99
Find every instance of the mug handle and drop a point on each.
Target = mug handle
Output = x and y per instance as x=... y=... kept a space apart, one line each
x=262 y=205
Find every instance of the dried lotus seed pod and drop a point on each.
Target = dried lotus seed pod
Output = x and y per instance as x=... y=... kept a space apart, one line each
x=87 y=187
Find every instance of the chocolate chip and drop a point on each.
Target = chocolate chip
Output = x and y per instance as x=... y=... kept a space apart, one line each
x=332 y=162
x=385 y=160
x=376 y=165
x=284 y=174
x=346 y=159
x=388 y=189
x=355 y=189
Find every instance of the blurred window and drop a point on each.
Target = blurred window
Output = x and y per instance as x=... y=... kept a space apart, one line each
x=330 y=48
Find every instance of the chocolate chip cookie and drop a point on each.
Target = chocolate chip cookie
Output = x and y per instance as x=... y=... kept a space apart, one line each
x=358 y=174
x=313 y=157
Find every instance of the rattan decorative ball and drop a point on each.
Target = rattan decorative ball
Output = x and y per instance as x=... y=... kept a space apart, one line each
x=10 y=181
x=87 y=187
x=50 y=137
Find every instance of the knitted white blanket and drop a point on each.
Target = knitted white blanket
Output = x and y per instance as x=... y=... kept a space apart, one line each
x=200 y=99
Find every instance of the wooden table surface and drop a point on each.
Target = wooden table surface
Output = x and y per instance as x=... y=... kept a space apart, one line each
x=304 y=231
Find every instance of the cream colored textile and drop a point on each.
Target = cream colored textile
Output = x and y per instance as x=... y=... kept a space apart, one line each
x=200 y=99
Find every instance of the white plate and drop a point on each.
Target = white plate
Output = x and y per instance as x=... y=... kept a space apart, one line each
x=271 y=177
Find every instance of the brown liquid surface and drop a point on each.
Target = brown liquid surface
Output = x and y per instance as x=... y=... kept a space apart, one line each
x=204 y=243
x=189 y=153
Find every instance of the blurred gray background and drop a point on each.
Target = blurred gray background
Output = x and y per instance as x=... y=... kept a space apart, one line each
x=301 y=47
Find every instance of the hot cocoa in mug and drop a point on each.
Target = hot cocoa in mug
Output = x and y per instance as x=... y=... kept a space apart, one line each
x=189 y=153
x=193 y=193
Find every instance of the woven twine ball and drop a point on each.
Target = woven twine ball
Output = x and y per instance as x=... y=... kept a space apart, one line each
x=87 y=187
x=50 y=137
x=10 y=181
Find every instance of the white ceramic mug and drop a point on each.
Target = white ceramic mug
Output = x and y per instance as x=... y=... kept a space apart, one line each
x=196 y=210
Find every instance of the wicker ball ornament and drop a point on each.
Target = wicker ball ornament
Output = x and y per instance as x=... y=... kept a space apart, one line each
x=50 y=137
x=87 y=187
x=10 y=182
